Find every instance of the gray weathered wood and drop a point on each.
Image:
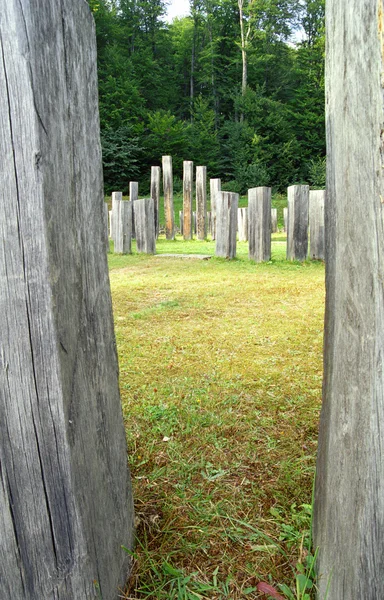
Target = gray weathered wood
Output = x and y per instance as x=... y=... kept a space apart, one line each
x=349 y=493
x=110 y=223
x=274 y=220
x=181 y=221
x=116 y=199
x=123 y=243
x=209 y=222
x=214 y=188
x=65 y=496
x=285 y=217
x=187 y=199
x=297 y=234
x=194 y=222
x=106 y=222
x=316 y=224
x=226 y=224
x=155 y=195
x=145 y=226
x=201 y=203
x=168 y=197
x=259 y=224
x=242 y=224
x=133 y=196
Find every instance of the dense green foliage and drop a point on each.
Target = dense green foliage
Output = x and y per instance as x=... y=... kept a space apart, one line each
x=230 y=86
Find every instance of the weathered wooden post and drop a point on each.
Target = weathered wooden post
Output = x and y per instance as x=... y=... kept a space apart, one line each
x=106 y=221
x=145 y=226
x=155 y=195
x=259 y=224
x=187 y=199
x=285 y=217
x=349 y=491
x=297 y=234
x=133 y=196
x=181 y=220
x=242 y=224
x=214 y=188
x=124 y=228
x=201 y=203
x=168 y=197
x=226 y=224
x=316 y=224
x=274 y=220
x=65 y=495
x=116 y=199
x=194 y=222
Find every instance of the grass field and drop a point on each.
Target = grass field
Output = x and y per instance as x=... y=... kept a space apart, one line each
x=220 y=376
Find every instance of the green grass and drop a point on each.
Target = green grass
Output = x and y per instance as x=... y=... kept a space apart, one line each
x=220 y=376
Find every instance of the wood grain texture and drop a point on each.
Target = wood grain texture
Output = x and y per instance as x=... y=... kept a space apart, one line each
x=155 y=195
x=274 y=220
x=242 y=224
x=201 y=203
x=124 y=221
x=297 y=231
x=187 y=199
x=349 y=491
x=65 y=496
x=316 y=224
x=145 y=226
x=259 y=224
x=116 y=199
x=226 y=224
x=214 y=188
x=168 y=197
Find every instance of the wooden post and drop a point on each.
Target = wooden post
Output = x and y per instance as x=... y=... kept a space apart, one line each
x=214 y=188
x=259 y=224
x=274 y=220
x=285 y=217
x=155 y=195
x=124 y=228
x=201 y=203
x=242 y=220
x=168 y=197
x=65 y=495
x=106 y=221
x=349 y=492
x=316 y=224
x=194 y=222
x=226 y=224
x=297 y=234
x=116 y=199
x=145 y=226
x=133 y=196
x=181 y=220
x=187 y=199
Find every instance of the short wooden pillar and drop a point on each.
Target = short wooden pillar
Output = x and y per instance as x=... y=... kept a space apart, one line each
x=168 y=197
x=274 y=220
x=124 y=228
x=242 y=224
x=181 y=221
x=116 y=199
x=201 y=203
x=297 y=234
x=187 y=199
x=145 y=226
x=214 y=189
x=259 y=224
x=106 y=221
x=155 y=195
x=226 y=224
x=316 y=224
x=285 y=217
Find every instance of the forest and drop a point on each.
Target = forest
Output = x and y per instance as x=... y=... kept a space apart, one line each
x=238 y=86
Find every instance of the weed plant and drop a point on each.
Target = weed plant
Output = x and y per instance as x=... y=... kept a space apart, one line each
x=220 y=376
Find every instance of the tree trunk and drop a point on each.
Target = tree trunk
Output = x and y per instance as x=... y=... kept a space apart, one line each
x=349 y=492
x=65 y=497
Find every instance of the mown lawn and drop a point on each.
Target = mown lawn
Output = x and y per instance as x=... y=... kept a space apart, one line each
x=220 y=375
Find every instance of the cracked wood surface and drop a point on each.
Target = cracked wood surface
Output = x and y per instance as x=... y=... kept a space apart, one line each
x=65 y=498
x=349 y=492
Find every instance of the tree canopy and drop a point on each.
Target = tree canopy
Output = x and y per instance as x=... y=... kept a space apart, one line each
x=238 y=85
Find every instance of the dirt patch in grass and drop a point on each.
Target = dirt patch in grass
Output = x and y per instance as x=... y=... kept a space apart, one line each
x=220 y=376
